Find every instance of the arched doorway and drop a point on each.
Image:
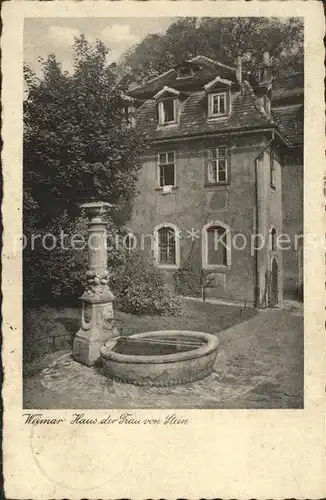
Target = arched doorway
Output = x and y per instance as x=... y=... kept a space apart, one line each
x=273 y=289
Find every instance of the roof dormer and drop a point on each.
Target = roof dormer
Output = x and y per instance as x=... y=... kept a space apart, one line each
x=217 y=84
x=166 y=92
x=186 y=69
x=168 y=106
x=219 y=97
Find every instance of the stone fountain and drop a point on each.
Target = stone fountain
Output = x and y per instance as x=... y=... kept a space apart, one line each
x=159 y=358
x=97 y=313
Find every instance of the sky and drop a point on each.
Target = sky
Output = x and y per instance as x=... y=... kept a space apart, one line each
x=43 y=36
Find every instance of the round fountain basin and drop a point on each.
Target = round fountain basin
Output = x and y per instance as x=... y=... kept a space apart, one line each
x=160 y=358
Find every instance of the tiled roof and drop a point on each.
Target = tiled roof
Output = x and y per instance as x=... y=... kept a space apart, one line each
x=206 y=72
x=245 y=113
x=290 y=122
x=245 y=109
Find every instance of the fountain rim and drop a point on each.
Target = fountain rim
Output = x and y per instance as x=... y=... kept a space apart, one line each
x=107 y=352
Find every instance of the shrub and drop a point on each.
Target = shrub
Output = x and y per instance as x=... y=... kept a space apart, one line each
x=56 y=275
x=140 y=289
x=191 y=280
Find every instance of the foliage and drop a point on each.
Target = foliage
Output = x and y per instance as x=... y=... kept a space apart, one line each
x=187 y=279
x=221 y=39
x=77 y=147
x=55 y=274
x=140 y=289
x=191 y=281
x=58 y=275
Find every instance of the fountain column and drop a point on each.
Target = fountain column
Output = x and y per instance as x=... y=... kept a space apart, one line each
x=97 y=312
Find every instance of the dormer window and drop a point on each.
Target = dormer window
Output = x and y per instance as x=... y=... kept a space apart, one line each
x=167 y=111
x=168 y=100
x=217 y=104
x=185 y=71
x=219 y=97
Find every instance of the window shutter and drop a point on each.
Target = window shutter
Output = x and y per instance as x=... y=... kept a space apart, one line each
x=157 y=170
x=160 y=113
x=210 y=104
x=228 y=102
x=206 y=162
x=176 y=109
x=176 y=173
x=228 y=167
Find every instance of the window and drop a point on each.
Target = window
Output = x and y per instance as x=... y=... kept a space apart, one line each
x=166 y=242
x=272 y=242
x=185 y=71
x=217 y=166
x=167 y=246
x=167 y=109
x=216 y=246
x=272 y=170
x=217 y=104
x=166 y=167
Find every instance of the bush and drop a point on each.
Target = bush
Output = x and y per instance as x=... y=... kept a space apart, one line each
x=140 y=289
x=56 y=275
x=191 y=280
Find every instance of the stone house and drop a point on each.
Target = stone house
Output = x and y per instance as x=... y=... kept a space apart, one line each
x=222 y=178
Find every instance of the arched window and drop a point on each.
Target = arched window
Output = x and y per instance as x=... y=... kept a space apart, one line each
x=272 y=240
x=216 y=245
x=167 y=249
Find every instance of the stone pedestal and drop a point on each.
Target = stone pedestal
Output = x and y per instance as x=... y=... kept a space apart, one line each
x=97 y=314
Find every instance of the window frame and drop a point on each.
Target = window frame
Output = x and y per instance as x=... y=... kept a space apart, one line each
x=204 y=240
x=159 y=164
x=190 y=73
x=161 y=112
x=211 y=97
x=211 y=160
x=165 y=265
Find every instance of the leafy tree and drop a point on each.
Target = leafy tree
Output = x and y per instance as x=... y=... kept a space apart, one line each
x=221 y=39
x=77 y=148
x=77 y=145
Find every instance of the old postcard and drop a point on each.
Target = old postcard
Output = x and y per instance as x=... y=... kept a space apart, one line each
x=163 y=252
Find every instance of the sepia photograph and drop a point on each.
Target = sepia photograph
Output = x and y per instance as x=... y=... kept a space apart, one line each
x=163 y=263
x=163 y=213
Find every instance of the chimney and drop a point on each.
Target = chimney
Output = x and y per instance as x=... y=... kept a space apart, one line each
x=238 y=70
x=265 y=74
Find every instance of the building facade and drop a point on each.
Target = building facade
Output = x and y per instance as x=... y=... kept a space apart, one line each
x=211 y=188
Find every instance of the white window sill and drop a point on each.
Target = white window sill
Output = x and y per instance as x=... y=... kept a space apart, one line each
x=167 y=125
x=169 y=191
x=218 y=117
